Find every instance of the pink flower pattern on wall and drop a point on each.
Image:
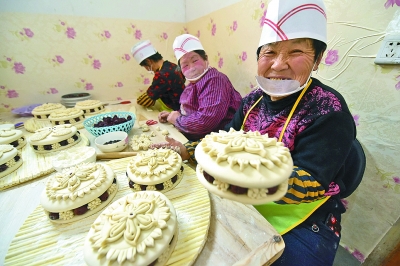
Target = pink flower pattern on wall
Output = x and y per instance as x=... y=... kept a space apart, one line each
x=90 y=60
x=96 y=64
x=356 y=119
x=83 y=84
x=89 y=86
x=389 y=181
x=18 y=67
x=185 y=31
x=52 y=91
x=63 y=27
x=259 y=13
x=212 y=27
x=118 y=84
x=397 y=86
x=124 y=58
x=6 y=107
x=357 y=254
x=198 y=34
x=104 y=35
x=56 y=60
x=219 y=60
x=163 y=36
x=142 y=79
x=241 y=57
x=24 y=34
x=27 y=32
x=391 y=3
x=136 y=32
x=12 y=94
x=331 y=57
x=345 y=203
x=232 y=28
x=70 y=33
x=249 y=88
x=8 y=93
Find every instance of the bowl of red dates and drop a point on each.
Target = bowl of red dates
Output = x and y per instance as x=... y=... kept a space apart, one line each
x=109 y=122
x=112 y=141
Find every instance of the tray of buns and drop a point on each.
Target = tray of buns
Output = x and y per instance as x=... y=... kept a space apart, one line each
x=40 y=242
x=33 y=165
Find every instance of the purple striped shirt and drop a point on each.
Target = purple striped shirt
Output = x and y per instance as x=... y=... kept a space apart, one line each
x=207 y=105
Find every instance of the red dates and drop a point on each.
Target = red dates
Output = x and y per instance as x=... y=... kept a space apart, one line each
x=112 y=121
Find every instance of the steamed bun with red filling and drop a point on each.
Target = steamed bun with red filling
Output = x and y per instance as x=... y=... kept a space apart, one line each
x=244 y=166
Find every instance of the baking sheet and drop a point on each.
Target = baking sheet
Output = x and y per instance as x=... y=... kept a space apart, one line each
x=40 y=242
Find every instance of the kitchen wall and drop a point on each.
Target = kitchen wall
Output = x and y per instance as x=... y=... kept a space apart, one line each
x=50 y=48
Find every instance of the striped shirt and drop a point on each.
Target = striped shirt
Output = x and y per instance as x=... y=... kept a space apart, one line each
x=207 y=105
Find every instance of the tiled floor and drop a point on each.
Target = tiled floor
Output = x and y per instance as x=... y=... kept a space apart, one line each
x=344 y=258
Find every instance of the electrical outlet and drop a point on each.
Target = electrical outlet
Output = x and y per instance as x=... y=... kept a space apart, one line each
x=389 y=52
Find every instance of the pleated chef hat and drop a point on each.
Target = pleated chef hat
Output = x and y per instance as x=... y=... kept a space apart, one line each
x=292 y=19
x=142 y=50
x=184 y=44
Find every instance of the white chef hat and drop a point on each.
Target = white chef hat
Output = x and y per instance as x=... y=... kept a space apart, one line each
x=143 y=50
x=184 y=44
x=292 y=19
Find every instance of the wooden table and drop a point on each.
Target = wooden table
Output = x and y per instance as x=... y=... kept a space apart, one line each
x=238 y=234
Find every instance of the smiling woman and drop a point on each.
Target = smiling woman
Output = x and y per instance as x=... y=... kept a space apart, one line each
x=285 y=67
x=301 y=112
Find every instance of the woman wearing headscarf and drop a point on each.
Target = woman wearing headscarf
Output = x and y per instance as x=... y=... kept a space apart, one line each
x=311 y=119
x=208 y=102
x=168 y=82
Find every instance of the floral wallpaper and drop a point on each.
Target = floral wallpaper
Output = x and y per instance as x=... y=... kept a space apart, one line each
x=44 y=56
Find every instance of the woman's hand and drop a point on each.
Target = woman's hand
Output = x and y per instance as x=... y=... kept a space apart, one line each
x=173 y=116
x=162 y=116
x=173 y=144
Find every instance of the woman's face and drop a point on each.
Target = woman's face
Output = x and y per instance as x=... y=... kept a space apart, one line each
x=291 y=59
x=192 y=65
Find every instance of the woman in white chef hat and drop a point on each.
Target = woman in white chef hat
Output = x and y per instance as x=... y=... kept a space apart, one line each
x=209 y=100
x=311 y=119
x=168 y=82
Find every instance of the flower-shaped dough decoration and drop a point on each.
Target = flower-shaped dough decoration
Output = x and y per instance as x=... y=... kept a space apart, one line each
x=128 y=221
x=248 y=142
x=75 y=176
x=60 y=130
x=156 y=160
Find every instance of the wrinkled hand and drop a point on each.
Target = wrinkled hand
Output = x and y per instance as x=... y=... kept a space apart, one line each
x=162 y=116
x=173 y=116
x=172 y=144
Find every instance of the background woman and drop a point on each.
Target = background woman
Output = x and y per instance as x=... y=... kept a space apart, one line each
x=168 y=82
x=209 y=100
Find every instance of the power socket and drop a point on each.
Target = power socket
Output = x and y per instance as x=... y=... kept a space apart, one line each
x=389 y=52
